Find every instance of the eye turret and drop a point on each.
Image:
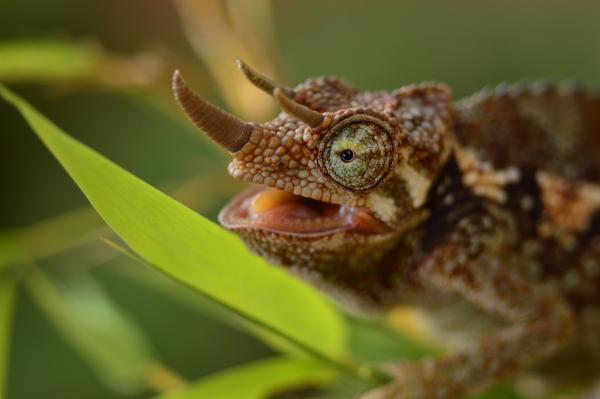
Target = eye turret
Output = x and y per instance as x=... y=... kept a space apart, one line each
x=357 y=154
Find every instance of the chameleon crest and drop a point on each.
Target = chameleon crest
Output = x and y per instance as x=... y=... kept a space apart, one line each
x=487 y=208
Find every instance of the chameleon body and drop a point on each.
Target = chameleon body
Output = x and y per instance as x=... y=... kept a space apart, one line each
x=485 y=208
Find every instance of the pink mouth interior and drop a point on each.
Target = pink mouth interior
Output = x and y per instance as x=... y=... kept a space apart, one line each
x=295 y=215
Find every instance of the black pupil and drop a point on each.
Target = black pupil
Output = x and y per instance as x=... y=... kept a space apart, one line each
x=347 y=155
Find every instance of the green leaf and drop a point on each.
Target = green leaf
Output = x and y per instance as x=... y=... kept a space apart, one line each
x=10 y=250
x=46 y=60
x=48 y=237
x=7 y=304
x=375 y=342
x=91 y=323
x=193 y=250
x=257 y=380
x=499 y=392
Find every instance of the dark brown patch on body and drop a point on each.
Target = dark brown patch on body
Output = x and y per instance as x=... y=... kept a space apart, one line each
x=555 y=127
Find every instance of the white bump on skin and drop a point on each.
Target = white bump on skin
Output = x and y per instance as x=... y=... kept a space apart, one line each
x=383 y=206
x=417 y=184
x=481 y=177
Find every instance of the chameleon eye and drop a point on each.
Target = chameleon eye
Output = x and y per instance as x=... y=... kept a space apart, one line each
x=357 y=155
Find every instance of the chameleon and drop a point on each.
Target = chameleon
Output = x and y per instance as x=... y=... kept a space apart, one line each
x=483 y=213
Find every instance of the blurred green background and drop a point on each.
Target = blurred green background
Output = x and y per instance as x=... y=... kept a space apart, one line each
x=101 y=70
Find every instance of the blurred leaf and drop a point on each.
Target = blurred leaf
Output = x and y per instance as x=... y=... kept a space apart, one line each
x=257 y=380
x=53 y=60
x=375 y=342
x=10 y=251
x=193 y=250
x=45 y=60
x=89 y=321
x=499 y=392
x=7 y=304
x=219 y=37
x=48 y=237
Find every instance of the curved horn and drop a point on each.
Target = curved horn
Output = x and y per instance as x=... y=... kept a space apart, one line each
x=262 y=82
x=297 y=110
x=225 y=129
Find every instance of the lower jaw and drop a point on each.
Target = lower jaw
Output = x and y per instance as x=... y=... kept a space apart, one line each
x=291 y=215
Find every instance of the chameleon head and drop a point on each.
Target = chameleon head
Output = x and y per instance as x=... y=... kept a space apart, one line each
x=339 y=179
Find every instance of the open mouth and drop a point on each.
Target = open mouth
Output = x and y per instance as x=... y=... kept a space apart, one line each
x=281 y=212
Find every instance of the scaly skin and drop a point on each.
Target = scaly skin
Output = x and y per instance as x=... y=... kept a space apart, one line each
x=490 y=203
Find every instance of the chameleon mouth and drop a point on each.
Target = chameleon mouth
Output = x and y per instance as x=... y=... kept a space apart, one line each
x=281 y=212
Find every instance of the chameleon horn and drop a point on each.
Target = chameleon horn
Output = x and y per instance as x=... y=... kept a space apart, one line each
x=225 y=129
x=297 y=110
x=262 y=82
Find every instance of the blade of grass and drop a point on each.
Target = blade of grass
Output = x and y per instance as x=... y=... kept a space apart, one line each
x=56 y=60
x=257 y=380
x=92 y=324
x=376 y=342
x=46 y=60
x=48 y=237
x=195 y=251
x=7 y=305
